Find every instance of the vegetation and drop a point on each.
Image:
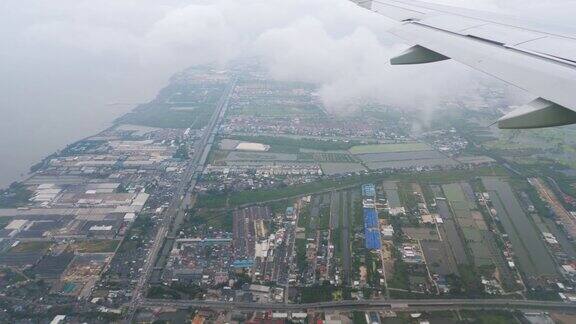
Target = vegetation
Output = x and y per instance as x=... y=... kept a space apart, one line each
x=264 y=109
x=327 y=157
x=301 y=254
x=264 y=195
x=324 y=218
x=176 y=290
x=318 y=293
x=32 y=246
x=358 y=317
x=181 y=152
x=135 y=236
x=372 y=264
x=15 y=195
x=218 y=219
x=162 y=292
x=96 y=246
x=387 y=148
x=400 y=278
x=10 y=277
x=467 y=284
x=158 y=115
x=488 y=316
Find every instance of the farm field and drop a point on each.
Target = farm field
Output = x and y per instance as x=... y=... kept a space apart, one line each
x=96 y=246
x=405 y=164
x=277 y=110
x=327 y=157
x=534 y=259
x=165 y=117
x=386 y=148
x=473 y=228
x=255 y=156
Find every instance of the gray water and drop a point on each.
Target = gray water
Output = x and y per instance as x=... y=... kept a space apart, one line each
x=30 y=133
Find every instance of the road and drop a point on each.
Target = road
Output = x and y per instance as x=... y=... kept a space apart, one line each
x=379 y=304
x=176 y=210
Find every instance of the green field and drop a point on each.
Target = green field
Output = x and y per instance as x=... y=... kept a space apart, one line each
x=218 y=219
x=388 y=148
x=278 y=110
x=255 y=196
x=96 y=246
x=164 y=117
x=453 y=192
x=26 y=247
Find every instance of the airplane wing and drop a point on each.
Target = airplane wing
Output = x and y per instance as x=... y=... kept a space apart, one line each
x=531 y=58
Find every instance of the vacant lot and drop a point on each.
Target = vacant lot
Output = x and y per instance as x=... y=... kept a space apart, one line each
x=386 y=148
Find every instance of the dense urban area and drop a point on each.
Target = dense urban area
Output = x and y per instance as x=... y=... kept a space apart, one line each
x=232 y=197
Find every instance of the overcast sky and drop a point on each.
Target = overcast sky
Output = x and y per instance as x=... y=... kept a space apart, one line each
x=64 y=61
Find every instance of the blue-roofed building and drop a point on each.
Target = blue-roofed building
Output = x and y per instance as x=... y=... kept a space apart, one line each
x=243 y=264
x=368 y=190
x=370 y=218
x=372 y=239
x=371 y=229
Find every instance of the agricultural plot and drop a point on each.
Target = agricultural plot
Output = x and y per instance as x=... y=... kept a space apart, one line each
x=327 y=157
x=421 y=233
x=24 y=254
x=96 y=246
x=408 y=164
x=180 y=105
x=449 y=230
x=533 y=257
x=391 y=192
x=401 y=156
x=472 y=227
x=387 y=148
x=33 y=246
x=265 y=109
x=438 y=258
x=253 y=156
x=52 y=266
x=165 y=117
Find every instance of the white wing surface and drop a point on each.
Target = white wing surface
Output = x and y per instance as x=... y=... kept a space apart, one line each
x=531 y=58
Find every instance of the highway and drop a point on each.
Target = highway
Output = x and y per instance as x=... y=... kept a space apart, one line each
x=376 y=304
x=175 y=213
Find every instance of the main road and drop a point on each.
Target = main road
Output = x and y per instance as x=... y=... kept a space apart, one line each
x=375 y=304
x=176 y=210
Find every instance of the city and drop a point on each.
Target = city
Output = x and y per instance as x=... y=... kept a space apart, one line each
x=232 y=197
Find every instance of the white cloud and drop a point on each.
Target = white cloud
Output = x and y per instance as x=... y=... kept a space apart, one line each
x=64 y=60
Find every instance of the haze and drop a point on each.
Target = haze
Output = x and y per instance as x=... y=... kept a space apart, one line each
x=65 y=62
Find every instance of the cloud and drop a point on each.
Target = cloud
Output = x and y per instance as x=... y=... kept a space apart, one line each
x=128 y=49
x=63 y=61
